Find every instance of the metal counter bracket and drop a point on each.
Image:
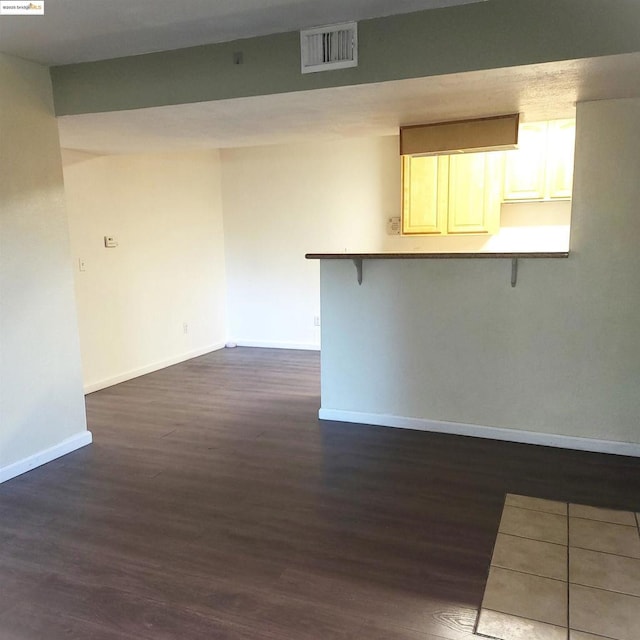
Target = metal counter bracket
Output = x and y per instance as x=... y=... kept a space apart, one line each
x=358 y=264
x=514 y=271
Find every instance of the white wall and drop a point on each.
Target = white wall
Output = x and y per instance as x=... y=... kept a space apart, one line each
x=41 y=400
x=168 y=270
x=452 y=341
x=281 y=202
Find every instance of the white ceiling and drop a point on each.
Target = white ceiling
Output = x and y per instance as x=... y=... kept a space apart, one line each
x=83 y=30
x=542 y=91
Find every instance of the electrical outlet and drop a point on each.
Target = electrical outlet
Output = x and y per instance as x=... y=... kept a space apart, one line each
x=185 y=328
x=82 y=265
x=316 y=321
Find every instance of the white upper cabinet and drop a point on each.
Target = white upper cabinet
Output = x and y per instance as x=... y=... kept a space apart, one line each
x=562 y=137
x=524 y=174
x=542 y=166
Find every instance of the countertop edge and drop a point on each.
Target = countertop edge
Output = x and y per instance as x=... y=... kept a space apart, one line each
x=436 y=256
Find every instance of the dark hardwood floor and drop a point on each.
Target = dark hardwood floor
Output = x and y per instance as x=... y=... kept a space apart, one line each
x=213 y=504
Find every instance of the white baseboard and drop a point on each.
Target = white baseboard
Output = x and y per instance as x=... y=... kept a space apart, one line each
x=303 y=346
x=156 y=366
x=478 y=431
x=78 y=441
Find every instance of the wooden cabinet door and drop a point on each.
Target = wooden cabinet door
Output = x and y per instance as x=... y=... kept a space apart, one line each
x=424 y=194
x=524 y=175
x=475 y=181
x=561 y=136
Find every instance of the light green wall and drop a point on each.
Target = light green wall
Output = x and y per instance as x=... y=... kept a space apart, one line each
x=41 y=399
x=486 y=35
x=450 y=340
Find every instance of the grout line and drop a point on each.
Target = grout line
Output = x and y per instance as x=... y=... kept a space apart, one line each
x=595 y=635
x=551 y=513
x=608 y=553
x=513 y=535
x=586 y=586
x=590 y=586
x=527 y=573
x=617 y=524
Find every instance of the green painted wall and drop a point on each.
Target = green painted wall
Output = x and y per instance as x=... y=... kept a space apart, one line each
x=451 y=340
x=493 y=34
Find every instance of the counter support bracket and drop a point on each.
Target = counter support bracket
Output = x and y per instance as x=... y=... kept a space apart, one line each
x=358 y=265
x=358 y=258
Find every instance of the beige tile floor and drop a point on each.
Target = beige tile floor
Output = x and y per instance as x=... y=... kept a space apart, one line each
x=563 y=572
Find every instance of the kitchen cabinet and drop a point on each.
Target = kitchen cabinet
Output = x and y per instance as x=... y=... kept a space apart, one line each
x=452 y=195
x=562 y=135
x=425 y=194
x=524 y=175
x=474 y=193
x=542 y=166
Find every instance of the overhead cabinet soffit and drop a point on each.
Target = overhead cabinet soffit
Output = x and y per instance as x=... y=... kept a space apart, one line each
x=497 y=133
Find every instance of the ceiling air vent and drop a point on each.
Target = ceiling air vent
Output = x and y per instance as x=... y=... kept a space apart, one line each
x=332 y=47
